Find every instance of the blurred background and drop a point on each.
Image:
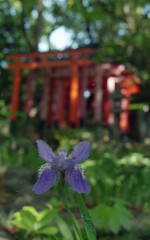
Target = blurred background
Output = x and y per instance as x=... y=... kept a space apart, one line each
x=73 y=71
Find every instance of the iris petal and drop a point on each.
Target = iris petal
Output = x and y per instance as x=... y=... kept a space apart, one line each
x=78 y=182
x=45 y=151
x=80 y=152
x=46 y=180
x=63 y=152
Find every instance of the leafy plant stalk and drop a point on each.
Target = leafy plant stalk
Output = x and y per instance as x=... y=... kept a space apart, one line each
x=74 y=223
x=88 y=224
x=64 y=198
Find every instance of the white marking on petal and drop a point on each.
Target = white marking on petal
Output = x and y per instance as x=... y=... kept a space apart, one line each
x=43 y=167
x=77 y=166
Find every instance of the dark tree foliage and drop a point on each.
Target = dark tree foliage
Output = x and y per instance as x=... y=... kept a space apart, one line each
x=120 y=29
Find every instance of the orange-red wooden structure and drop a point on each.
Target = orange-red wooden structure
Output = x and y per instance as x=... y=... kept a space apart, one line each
x=66 y=76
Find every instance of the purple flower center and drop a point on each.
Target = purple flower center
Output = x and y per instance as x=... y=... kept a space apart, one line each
x=62 y=162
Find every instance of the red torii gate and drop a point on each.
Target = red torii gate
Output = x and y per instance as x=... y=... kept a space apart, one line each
x=76 y=71
x=54 y=59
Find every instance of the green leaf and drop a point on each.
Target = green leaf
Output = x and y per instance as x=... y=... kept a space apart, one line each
x=45 y=216
x=115 y=217
x=113 y=220
x=55 y=202
x=124 y=216
x=89 y=227
x=48 y=230
x=24 y=219
x=30 y=219
x=64 y=229
x=30 y=209
x=100 y=214
x=56 y=238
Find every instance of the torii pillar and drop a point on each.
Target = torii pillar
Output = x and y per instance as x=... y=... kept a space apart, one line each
x=30 y=91
x=45 y=96
x=98 y=93
x=74 y=93
x=82 y=99
x=16 y=90
x=60 y=104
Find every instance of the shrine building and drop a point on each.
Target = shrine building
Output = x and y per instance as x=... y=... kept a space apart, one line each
x=75 y=88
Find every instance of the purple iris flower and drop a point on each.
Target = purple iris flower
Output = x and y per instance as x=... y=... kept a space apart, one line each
x=61 y=164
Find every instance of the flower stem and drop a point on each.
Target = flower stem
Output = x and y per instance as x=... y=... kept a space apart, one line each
x=74 y=223
x=63 y=194
x=88 y=224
